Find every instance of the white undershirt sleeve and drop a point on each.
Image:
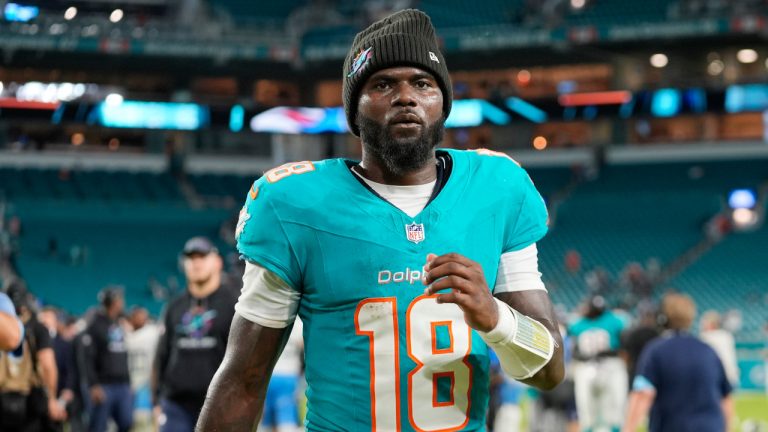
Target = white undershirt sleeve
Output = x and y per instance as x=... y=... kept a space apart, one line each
x=519 y=271
x=266 y=299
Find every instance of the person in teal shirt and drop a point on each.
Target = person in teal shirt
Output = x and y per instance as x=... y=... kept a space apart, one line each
x=403 y=267
x=599 y=374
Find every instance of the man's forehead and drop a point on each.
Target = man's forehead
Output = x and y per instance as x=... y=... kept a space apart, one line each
x=402 y=72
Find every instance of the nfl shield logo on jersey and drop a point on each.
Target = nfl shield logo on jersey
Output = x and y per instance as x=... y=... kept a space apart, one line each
x=415 y=232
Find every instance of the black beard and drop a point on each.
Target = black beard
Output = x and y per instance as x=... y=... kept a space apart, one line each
x=403 y=155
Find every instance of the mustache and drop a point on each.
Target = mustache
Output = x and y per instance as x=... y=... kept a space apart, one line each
x=405 y=116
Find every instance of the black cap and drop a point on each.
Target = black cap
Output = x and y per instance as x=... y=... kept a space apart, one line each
x=198 y=245
x=405 y=38
x=109 y=294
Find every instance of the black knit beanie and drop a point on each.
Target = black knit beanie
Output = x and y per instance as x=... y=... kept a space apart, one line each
x=405 y=38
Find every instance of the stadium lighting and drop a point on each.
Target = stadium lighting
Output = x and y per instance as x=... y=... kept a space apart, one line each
x=113 y=99
x=616 y=97
x=744 y=218
x=116 y=15
x=578 y=4
x=539 y=143
x=659 y=60
x=742 y=199
x=716 y=67
x=70 y=13
x=524 y=77
x=746 y=55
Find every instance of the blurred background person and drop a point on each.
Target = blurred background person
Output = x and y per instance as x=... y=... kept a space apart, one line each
x=556 y=409
x=721 y=340
x=635 y=338
x=195 y=328
x=106 y=365
x=599 y=375
x=680 y=379
x=70 y=329
x=506 y=397
x=64 y=355
x=29 y=377
x=142 y=344
x=11 y=327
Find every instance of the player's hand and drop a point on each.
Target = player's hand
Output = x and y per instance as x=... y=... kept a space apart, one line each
x=56 y=411
x=67 y=395
x=97 y=394
x=158 y=417
x=469 y=290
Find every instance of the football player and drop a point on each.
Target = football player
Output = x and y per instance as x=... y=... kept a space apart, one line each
x=404 y=267
x=599 y=374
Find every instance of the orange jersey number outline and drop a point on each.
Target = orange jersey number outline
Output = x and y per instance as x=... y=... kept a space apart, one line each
x=278 y=173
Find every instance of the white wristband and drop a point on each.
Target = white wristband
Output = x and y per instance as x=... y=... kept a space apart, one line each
x=524 y=346
x=505 y=327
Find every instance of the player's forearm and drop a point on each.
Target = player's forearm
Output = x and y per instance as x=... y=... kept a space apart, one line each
x=535 y=304
x=158 y=368
x=236 y=395
x=48 y=370
x=232 y=403
x=553 y=372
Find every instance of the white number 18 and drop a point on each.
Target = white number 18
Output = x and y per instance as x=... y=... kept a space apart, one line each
x=376 y=318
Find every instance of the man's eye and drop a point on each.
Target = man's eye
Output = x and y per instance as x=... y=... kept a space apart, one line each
x=382 y=85
x=423 y=84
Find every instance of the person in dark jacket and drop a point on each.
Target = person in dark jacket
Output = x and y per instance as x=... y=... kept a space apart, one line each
x=106 y=365
x=680 y=379
x=193 y=339
x=634 y=339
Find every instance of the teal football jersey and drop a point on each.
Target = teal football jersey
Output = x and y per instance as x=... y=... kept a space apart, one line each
x=380 y=355
x=597 y=336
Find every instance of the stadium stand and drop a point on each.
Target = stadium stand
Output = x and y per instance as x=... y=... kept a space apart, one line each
x=70 y=250
x=637 y=213
x=714 y=283
x=613 y=12
x=82 y=185
x=245 y=12
x=218 y=186
x=626 y=214
x=457 y=13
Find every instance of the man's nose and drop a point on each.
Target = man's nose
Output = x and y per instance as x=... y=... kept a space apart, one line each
x=404 y=95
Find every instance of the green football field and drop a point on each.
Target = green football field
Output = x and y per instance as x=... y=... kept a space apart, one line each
x=751 y=413
x=752 y=407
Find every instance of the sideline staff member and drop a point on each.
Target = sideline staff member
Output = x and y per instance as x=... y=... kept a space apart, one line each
x=680 y=379
x=194 y=338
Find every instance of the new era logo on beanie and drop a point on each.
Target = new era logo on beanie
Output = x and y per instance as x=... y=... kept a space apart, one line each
x=405 y=38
